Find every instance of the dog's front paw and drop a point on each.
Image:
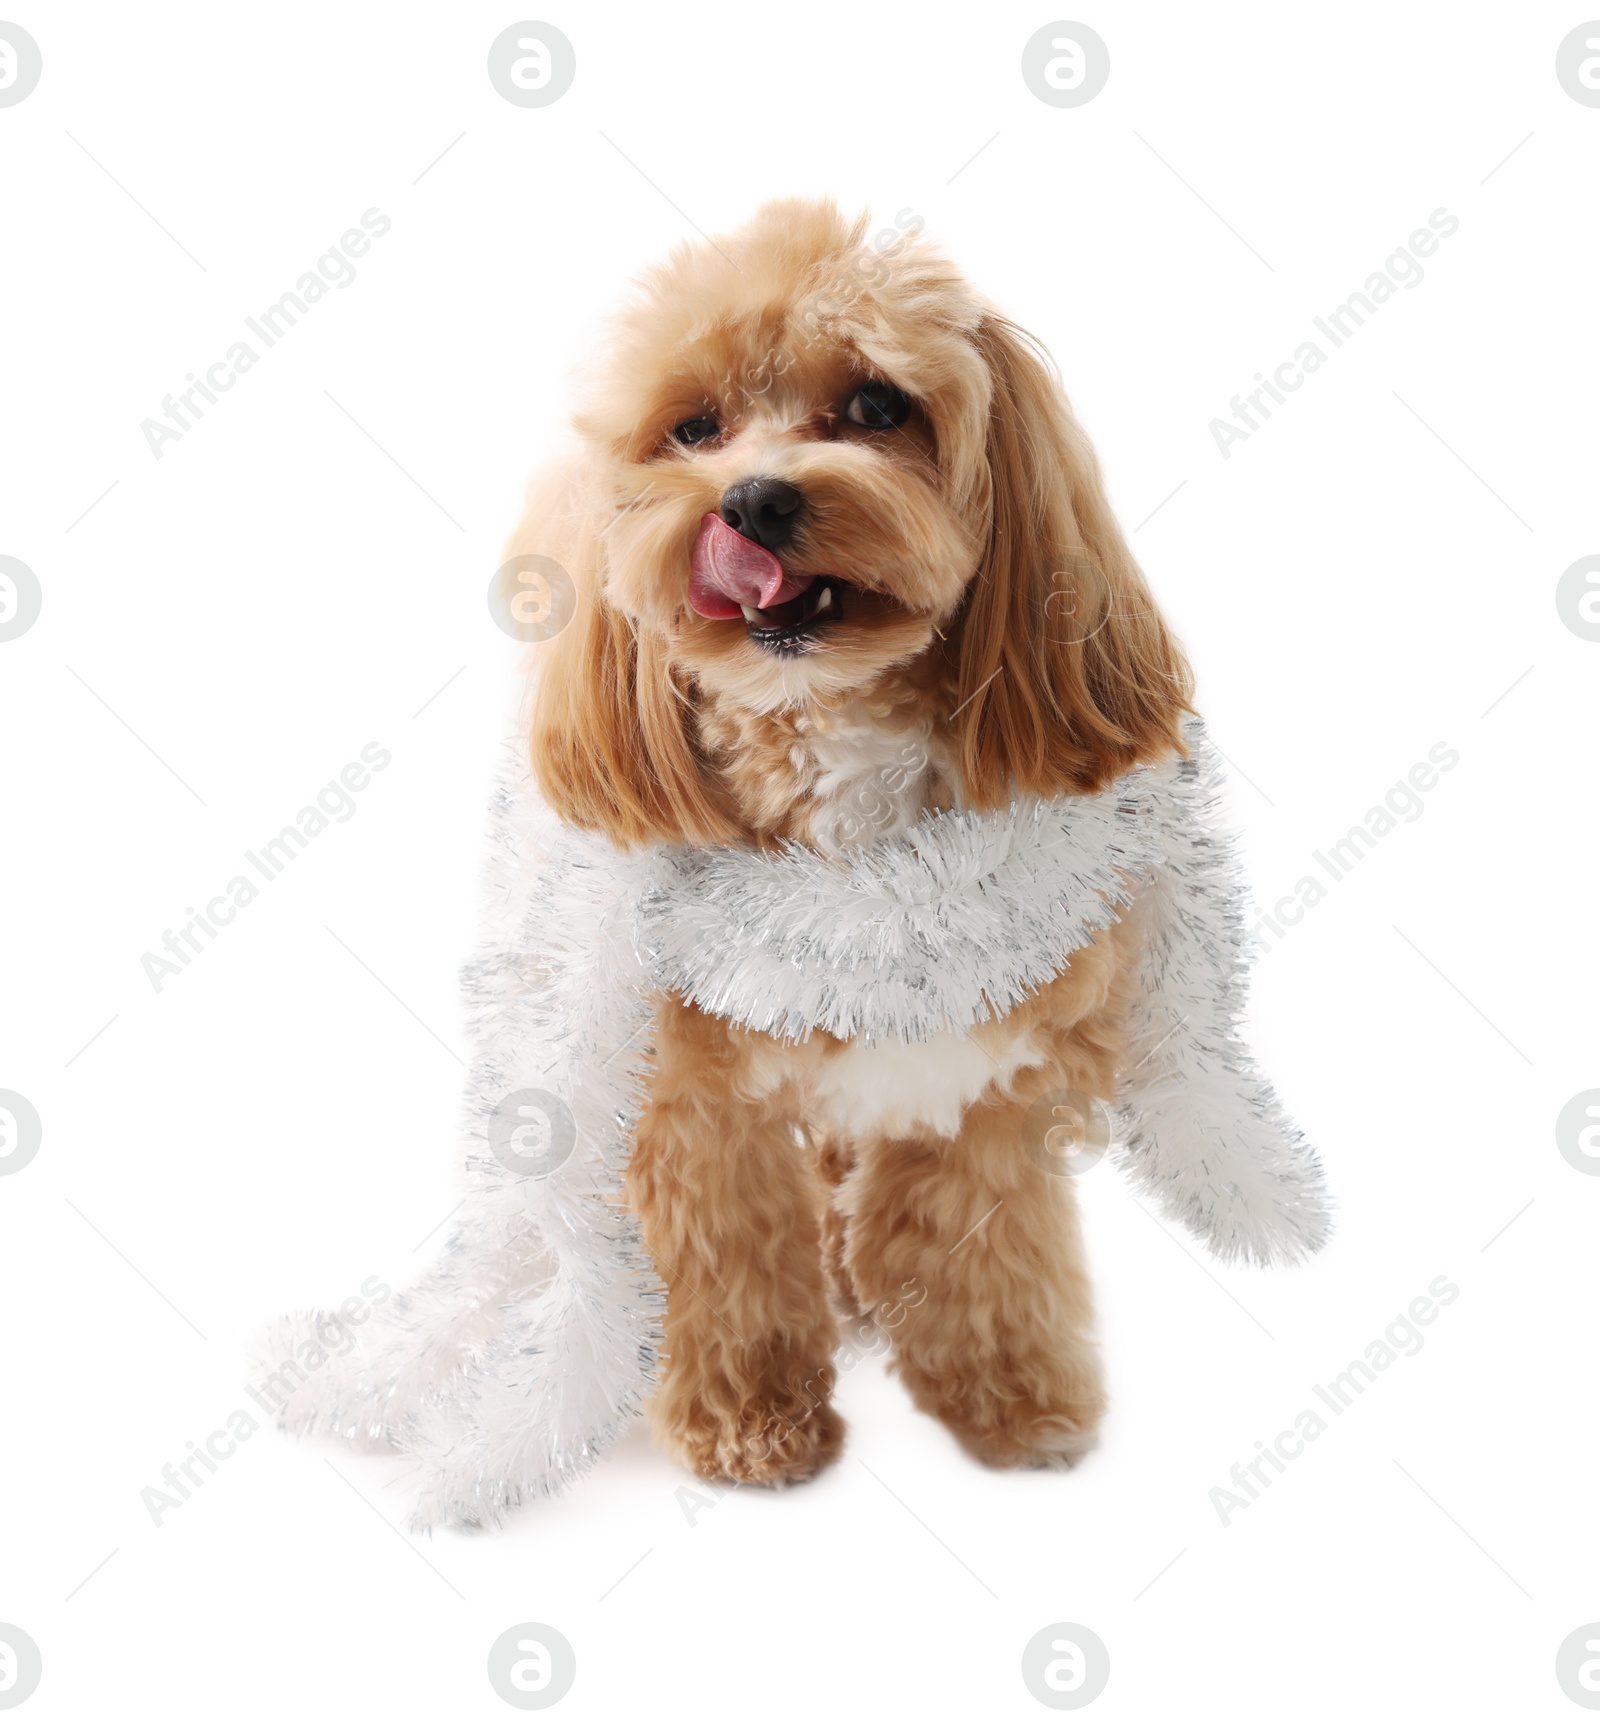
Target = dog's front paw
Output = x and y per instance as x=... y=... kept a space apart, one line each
x=759 y=1444
x=1053 y=1422
x=1022 y=1435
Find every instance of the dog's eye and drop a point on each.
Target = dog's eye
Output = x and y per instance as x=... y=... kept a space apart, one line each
x=696 y=430
x=878 y=405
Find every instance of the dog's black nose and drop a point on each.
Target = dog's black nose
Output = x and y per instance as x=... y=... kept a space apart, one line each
x=764 y=510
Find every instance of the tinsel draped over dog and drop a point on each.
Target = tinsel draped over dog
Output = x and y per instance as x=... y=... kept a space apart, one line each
x=530 y=1346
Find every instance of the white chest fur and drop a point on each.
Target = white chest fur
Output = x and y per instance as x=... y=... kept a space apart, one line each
x=869 y=777
x=897 y=1088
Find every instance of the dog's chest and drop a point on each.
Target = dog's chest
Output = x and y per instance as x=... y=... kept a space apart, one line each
x=897 y=1088
x=867 y=778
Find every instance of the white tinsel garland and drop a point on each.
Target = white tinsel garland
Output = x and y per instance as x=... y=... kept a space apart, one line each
x=531 y=1345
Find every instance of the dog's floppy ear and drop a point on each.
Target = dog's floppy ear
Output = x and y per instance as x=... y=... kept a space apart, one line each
x=612 y=738
x=1067 y=673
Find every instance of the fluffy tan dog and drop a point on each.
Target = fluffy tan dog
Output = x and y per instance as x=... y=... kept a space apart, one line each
x=843 y=555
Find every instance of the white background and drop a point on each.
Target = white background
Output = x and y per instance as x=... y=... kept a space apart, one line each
x=274 y=592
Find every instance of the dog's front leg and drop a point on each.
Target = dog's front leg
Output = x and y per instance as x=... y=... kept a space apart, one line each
x=969 y=1256
x=729 y=1207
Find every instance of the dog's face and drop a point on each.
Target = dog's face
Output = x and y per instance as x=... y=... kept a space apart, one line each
x=813 y=459
x=794 y=442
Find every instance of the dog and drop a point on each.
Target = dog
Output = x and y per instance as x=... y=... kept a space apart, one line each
x=842 y=556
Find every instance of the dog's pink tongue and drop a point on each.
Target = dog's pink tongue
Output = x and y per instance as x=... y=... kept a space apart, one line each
x=726 y=570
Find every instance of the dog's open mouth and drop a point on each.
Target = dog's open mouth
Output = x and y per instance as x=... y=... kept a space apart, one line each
x=792 y=624
x=731 y=577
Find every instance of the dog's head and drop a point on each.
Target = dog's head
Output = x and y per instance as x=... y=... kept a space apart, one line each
x=813 y=458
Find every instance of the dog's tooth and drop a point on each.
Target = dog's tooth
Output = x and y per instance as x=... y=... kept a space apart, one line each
x=753 y=614
x=825 y=601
